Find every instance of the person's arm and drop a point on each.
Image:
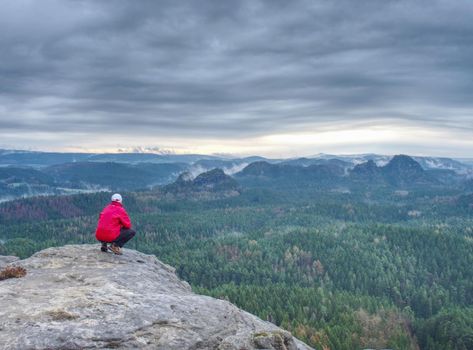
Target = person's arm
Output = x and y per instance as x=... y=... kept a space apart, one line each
x=100 y=217
x=125 y=219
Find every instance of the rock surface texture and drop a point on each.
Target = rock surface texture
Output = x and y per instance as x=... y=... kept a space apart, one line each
x=5 y=260
x=76 y=297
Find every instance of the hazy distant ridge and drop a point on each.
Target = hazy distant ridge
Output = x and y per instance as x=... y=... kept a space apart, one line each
x=28 y=173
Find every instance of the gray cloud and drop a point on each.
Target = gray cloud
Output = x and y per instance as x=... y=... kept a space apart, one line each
x=200 y=69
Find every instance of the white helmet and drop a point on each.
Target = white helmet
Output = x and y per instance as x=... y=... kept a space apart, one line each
x=117 y=198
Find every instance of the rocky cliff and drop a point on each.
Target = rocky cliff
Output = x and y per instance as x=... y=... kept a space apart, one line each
x=76 y=297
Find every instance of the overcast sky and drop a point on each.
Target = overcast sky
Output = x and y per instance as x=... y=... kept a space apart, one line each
x=275 y=78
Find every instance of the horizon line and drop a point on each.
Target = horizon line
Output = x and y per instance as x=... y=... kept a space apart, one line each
x=220 y=155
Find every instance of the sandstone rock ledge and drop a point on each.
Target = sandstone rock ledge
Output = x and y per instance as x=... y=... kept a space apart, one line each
x=6 y=260
x=76 y=297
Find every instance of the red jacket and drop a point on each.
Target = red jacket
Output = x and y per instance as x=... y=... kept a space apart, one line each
x=112 y=218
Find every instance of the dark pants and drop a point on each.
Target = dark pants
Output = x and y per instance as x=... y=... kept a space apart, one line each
x=125 y=235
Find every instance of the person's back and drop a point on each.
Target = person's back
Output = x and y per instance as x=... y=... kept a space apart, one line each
x=112 y=218
x=114 y=226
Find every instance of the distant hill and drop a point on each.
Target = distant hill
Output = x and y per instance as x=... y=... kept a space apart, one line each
x=27 y=173
x=20 y=181
x=446 y=176
x=43 y=159
x=127 y=157
x=228 y=166
x=39 y=159
x=442 y=163
x=461 y=166
x=12 y=175
x=305 y=162
x=281 y=174
x=113 y=176
x=213 y=181
x=401 y=171
x=108 y=175
x=161 y=173
x=367 y=172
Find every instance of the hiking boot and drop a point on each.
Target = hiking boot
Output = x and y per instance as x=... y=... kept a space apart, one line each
x=104 y=248
x=116 y=249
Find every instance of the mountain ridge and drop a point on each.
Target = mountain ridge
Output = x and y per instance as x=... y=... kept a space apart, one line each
x=100 y=173
x=214 y=182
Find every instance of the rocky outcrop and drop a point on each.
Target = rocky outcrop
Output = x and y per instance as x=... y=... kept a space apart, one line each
x=212 y=184
x=402 y=171
x=76 y=297
x=5 y=260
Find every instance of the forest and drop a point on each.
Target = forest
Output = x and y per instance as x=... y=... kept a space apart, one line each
x=340 y=270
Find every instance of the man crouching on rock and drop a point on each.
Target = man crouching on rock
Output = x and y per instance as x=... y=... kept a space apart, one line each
x=114 y=226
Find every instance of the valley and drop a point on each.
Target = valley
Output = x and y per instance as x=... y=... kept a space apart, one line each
x=344 y=257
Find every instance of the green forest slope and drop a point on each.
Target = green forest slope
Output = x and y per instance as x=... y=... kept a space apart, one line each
x=338 y=270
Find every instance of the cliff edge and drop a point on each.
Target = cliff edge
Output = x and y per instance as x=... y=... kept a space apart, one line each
x=76 y=297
